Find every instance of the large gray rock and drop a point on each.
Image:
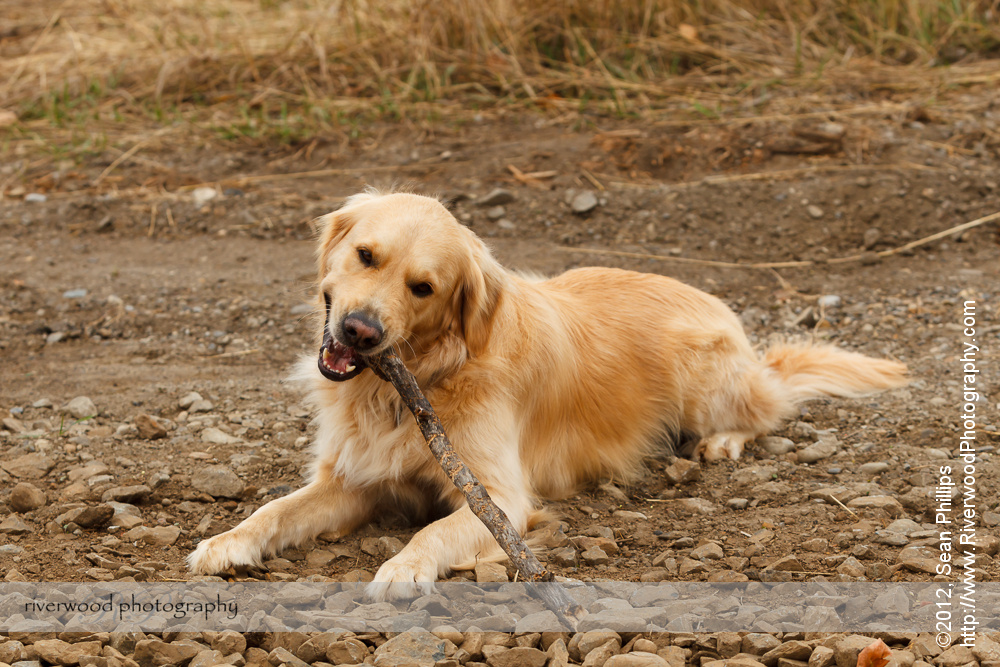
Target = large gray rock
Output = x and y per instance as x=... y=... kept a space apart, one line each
x=81 y=407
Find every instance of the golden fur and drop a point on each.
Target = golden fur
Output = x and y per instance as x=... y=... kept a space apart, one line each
x=542 y=385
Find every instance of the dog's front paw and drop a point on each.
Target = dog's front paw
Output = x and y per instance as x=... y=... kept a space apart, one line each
x=402 y=579
x=720 y=446
x=222 y=552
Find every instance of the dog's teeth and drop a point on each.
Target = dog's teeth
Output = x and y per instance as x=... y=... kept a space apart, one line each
x=326 y=354
x=349 y=369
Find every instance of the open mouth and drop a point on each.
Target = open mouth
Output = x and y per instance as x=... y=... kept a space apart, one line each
x=338 y=362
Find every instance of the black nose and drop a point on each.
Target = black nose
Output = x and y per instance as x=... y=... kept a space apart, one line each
x=361 y=331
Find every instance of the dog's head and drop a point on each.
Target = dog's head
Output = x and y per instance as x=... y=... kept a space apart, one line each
x=398 y=270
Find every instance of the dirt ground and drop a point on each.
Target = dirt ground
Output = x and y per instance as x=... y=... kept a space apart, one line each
x=212 y=295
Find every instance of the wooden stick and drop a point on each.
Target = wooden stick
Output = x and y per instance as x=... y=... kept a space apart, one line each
x=390 y=368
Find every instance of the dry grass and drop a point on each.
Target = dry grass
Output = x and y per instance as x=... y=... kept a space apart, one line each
x=281 y=69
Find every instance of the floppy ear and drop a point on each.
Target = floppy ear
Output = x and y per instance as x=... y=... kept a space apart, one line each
x=333 y=227
x=482 y=289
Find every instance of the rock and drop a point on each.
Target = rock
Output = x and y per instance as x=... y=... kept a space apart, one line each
x=150 y=427
x=690 y=566
x=710 y=551
x=13 y=425
x=597 y=657
x=161 y=536
x=348 y=651
x=59 y=652
x=92 y=469
x=815 y=212
x=852 y=567
x=637 y=659
x=12 y=651
x=80 y=407
x=682 y=471
x=188 y=400
x=487 y=572
x=29 y=466
x=847 y=649
x=416 y=646
x=78 y=293
x=790 y=650
x=786 y=564
x=873 y=468
x=519 y=656
x=694 y=506
x=93 y=516
x=904 y=527
x=565 y=556
x=583 y=202
x=758 y=643
x=816 y=545
x=26 y=497
x=207 y=658
x=776 y=446
x=887 y=503
x=823 y=449
x=217 y=436
x=390 y=546
x=595 y=555
x=738 y=503
x=282 y=656
x=955 y=656
x=916 y=564
x=832 y=494
x=157 y=653
x=126 y=494
x=495 y=212
x=13 y=525
x=203 y=195
x=822 y=656
x=218 y=482
x=496 y=197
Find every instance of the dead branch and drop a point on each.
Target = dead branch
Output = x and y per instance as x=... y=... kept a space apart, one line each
x=390 y=368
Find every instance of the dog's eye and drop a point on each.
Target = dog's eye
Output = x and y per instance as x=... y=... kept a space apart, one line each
x=422 y=289
x=365 y=255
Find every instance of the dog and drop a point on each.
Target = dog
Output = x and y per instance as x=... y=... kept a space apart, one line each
x=542 y=386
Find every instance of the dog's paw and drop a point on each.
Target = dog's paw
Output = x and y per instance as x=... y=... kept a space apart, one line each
x=400 y=579
x=222 y=552
x=720 y=446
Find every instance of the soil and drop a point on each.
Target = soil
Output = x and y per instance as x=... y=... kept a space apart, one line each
x=212 y=297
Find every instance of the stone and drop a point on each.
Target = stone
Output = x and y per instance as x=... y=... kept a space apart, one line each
x=710 y=551
x=822 y=656
x=955 y=656
x=495 y=212
x=29 y=466
x=282 y=656
x=759 y=643
x=786 y=564
x=694 y=506
x=26 y=497
x=904 y=526
x=207 y=658
x=519 y=656
x=597 y=657
x=496 y=197
x=873 y=468
x=161 y=536
x=790 y=650
x=218 y=481
x=682 y=471
x=816 y=545
x=848 y=648
x=583 y=202
x=217 y=436
x=12 y=651
x=13 y=525
x=157 y=653
x=390 y=546
x=92 y=469
x=738 y=503
x=188 y=400
x=203 y=195
x=851 y=567
x=822 y=449
x=416 y=646
x=775 y=445
x=150 y=427
x=566 y=556
x=815 y=212
x=126 y=494
x=491 y=572
x=346 y=652
x=581 y=646
x=887 y=503
x=93 y=516
x=595 y=555
x=59 y=652
x=81 y=407
x=637 y=659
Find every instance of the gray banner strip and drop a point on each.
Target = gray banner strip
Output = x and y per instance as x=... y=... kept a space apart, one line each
x=507 y=607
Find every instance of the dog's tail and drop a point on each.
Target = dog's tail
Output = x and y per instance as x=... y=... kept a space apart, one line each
x=811 y=371
x=495 y=554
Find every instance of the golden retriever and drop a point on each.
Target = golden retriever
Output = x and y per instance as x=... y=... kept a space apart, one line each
x=542 y=385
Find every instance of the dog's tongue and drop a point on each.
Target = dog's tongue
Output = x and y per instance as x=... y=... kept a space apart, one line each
x=339 y=358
